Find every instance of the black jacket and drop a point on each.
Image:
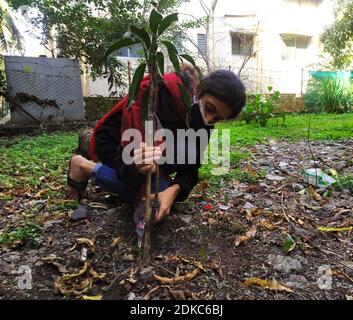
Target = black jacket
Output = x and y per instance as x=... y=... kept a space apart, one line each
x=109 y=150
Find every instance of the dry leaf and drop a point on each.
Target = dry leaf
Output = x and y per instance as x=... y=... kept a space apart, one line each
x=328 y=229
x=314 y=194
x=116 y=241
x=39 y=194
x=94 y=298
x=97 y=205
x=89 y=242
x=186 y=277
x=266 y=284
x=245 y=238
x=267 y=225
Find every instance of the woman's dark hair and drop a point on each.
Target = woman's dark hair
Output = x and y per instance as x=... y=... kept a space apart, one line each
x=227 y=87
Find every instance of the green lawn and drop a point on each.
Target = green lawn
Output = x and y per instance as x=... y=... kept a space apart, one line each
x=323 y=127
x=33 y=161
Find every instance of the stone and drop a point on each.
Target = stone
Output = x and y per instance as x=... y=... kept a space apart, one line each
x=185 y=217
x=297 y=281
x=146 y=272
x=274 y=177
x=248 y=206
x=286 y=264
x=264 y=162
x=79 y=213
x=131 y=296
x=224 y=208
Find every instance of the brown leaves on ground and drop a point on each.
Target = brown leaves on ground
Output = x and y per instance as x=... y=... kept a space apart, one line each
x=266 y=284
x=189 y=276
x=245 y=238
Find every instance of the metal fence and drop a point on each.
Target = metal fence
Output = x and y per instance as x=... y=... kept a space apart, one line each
x=42 y=90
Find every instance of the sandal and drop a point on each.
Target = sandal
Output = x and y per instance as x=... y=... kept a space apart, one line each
x=79 y=186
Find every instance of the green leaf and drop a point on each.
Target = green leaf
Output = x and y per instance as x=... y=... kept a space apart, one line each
x=173 y=55
x=142 y=34
x=184 y=95
x=155 y=20
x=135 y=84
x=192 y=61
x=127 y=42
x=166 y=22
x=289 y=244
x=160 y=62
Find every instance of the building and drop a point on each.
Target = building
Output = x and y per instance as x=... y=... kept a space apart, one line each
x=270 y=43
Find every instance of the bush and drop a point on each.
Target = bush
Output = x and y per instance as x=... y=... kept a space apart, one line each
x=328 y=95
x=262 y=107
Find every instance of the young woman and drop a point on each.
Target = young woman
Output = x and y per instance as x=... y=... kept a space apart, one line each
x=221 y=96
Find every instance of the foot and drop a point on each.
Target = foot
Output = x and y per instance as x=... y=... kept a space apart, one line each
x=80 y=171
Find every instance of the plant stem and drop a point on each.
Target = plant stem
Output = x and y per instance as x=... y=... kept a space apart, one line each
x=152 y=103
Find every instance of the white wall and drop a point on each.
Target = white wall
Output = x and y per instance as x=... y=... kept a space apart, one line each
x=273 y=18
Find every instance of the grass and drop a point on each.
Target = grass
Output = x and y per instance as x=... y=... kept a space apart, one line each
x=28 y=161
x=323 y=127
x=29 y=233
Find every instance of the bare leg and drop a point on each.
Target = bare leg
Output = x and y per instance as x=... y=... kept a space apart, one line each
x=80 y=170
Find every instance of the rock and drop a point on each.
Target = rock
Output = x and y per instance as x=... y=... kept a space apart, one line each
x=146 y=272
x=80 y=213
x=285 y=263
x=248 y=206
x=131 y=296
x=283 y=165
x=268 y=203
x=185 y=217
x=224 y=208
x=274 y=177
x=297 y=281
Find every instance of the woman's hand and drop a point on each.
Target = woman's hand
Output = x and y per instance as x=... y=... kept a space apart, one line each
x=166 y=199
x=145 y=158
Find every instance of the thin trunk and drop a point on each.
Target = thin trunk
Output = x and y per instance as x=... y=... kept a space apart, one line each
x=152 y=103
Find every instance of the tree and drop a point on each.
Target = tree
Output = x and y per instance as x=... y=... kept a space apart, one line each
x=150 y=37
x=84 y=29
x=338 y=39
x=13 y=37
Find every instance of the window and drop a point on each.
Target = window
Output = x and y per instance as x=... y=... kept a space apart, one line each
x=202 y=43
x=135 y=51
x=242 y=43
x=294 y=47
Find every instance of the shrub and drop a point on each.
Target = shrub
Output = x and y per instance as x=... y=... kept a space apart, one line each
x=262 y=107
x=328 y=95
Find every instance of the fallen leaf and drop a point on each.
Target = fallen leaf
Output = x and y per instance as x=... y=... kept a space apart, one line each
x=314 y=194
x=267 y=225
x=245 y=238
x=289 y=243
x=89 y=242
x=39 y=194
x=328 y=229
x=266 y=284
x=116 y=241
x=94 y=298
x=97 y=205
x=184 y=278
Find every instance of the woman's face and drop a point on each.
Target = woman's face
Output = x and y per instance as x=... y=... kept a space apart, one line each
x=214 y=109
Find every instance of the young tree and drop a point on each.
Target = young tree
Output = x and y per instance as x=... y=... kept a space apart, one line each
x=150 y=37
